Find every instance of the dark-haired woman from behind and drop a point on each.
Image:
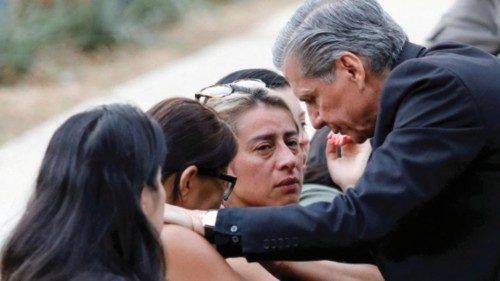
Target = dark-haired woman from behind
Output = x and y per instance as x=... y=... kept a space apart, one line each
x=97 y=207
x=200 y=147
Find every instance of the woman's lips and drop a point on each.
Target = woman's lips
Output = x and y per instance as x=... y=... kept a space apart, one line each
x=289 y=185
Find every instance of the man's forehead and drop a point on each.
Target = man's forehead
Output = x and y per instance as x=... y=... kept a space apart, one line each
x=291 y=71
x=291 y=67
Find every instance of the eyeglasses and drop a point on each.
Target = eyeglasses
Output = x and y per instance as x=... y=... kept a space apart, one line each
x=220 y=91
x=229 y=181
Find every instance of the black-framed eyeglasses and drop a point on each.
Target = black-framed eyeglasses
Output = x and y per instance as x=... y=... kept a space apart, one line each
x=219 y=91
x=229 y=181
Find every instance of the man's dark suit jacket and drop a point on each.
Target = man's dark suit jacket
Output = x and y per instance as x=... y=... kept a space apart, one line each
x=428 y=205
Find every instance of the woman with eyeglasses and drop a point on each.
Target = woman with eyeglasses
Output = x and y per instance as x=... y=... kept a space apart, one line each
x=269 y=162
x=268 y=143
x=269 y=167
x=280 y=87
x=200 y=146
x=97 y=208
x=318 y=185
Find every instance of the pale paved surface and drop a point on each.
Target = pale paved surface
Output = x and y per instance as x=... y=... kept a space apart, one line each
x=20 y=158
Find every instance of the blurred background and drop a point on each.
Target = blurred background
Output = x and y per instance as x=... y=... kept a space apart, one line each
x=56 y=53
x=58 y=57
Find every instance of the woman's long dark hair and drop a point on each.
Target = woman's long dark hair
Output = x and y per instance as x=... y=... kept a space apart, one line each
x=85 y=214
x=194 y=135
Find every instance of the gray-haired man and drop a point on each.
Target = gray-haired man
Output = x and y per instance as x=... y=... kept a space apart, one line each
x=426 y=207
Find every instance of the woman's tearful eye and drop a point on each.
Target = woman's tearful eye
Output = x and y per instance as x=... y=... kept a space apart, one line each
x=264 y=148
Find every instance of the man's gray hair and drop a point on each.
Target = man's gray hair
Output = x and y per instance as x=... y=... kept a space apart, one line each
x=320 y=30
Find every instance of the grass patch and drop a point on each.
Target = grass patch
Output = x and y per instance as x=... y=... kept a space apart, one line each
x=88 y=25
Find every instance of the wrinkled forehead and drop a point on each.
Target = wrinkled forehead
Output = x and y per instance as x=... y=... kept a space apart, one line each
x=294 y=76
x=264 y=114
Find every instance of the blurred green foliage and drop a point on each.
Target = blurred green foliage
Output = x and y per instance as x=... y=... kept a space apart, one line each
x=89 y=25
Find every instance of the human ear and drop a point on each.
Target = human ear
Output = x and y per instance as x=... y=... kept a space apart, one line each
x=185 y=182
x=230 y=169
x=353 y=67
x=146 y=200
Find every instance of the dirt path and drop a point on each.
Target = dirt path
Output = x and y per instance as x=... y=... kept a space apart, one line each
x=63 y=78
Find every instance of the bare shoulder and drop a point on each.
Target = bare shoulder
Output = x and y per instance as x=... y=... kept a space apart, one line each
x=190 y=257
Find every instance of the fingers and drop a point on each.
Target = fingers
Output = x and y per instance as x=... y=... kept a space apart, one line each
x=335 y=142
x=338 y=139
x=190 y=219
x=177 y=215
x=331 y=146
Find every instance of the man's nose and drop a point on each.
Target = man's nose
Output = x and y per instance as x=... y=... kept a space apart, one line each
x=316 y=119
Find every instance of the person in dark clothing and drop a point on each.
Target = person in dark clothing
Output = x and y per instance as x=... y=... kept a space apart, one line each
x=426 y=206
x=97 y=209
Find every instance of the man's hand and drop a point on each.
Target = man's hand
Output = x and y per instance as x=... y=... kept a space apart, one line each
x=191 y=219
x=346 y=170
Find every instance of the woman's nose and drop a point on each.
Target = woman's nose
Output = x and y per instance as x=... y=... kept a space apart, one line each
x=287 y=158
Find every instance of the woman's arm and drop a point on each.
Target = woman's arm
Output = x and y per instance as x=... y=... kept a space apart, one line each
x=250 y=271
x=190 y=257
x=323 y=270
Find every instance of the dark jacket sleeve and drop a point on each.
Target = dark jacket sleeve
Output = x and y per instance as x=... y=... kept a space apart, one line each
x=428 y=130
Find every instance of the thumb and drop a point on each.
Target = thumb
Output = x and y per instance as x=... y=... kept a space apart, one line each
x=348 y=145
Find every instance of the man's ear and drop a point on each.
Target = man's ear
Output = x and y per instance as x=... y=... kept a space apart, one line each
x=352 y=66
x=185 y=182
